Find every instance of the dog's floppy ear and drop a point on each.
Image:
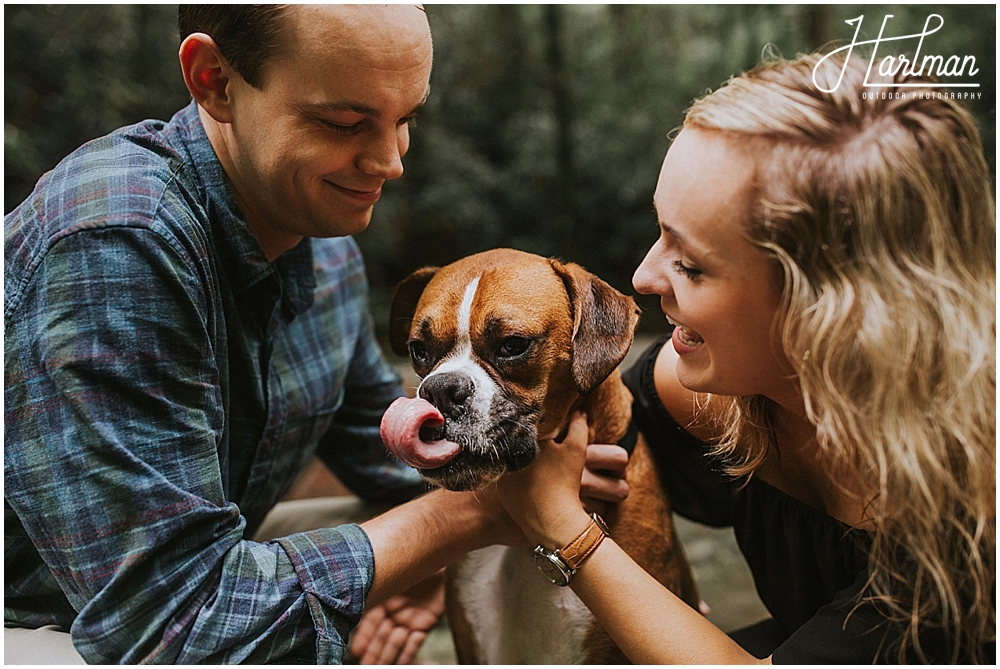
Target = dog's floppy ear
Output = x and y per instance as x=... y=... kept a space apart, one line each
x=404 y=305
x=604 y=324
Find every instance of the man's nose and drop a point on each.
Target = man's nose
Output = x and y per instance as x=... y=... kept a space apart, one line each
x=384 y=156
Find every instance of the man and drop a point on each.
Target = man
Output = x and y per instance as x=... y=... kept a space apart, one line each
x=185 y=325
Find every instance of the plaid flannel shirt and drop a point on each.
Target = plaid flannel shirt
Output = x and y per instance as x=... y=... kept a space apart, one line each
x=164 y=384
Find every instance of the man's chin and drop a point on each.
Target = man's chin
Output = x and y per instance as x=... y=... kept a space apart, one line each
x=343 y=225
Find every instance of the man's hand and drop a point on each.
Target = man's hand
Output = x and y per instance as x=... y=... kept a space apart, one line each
x=603 y=480
x=604 y=473
x=392 y=632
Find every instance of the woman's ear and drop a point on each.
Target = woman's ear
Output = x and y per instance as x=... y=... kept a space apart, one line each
x=208 y=75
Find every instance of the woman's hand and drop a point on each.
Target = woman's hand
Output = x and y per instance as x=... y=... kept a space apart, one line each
x=544 y=498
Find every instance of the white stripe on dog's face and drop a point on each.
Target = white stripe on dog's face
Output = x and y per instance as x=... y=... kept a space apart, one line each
x=465 y=316
x=460 y=358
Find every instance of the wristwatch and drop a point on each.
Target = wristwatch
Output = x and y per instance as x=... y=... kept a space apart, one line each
x=560 y=565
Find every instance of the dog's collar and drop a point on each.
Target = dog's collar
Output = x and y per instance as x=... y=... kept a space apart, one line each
x=630 y=437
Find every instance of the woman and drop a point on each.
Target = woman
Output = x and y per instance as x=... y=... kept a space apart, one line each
x=828 y=263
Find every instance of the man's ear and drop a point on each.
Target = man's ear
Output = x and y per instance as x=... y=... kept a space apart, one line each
x=404 y=305
x=208 y=75
x=604 y=322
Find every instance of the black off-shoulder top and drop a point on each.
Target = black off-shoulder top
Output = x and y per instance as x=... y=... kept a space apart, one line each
x=809 y=568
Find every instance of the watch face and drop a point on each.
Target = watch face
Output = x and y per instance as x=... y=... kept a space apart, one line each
x=549 y=565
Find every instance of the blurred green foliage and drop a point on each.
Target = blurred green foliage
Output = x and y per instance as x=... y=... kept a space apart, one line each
x=545 y=128
x=75 y=72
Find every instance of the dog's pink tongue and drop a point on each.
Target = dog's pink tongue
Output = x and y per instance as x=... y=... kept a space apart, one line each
x=400 y=429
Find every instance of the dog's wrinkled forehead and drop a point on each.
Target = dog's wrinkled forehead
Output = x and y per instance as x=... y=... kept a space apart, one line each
x=471 y=300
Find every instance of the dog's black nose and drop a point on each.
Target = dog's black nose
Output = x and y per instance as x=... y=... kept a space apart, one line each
x=448 y=391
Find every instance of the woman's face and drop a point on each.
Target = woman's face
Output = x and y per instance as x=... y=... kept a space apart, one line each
x=720 y=290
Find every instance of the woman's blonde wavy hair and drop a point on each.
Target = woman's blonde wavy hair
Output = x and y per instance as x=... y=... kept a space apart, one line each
x=877 y=203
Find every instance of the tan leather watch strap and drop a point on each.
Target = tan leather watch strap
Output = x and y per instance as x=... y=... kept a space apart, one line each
x=578 y=550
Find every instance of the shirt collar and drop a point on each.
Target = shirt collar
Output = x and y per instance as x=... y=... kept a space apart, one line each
x=241 y=255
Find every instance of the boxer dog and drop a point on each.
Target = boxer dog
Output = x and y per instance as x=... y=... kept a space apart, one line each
x=508 y=345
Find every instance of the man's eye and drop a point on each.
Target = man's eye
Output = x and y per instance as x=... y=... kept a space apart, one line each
x=511 y=347
x=418 y=352
x=341 y=128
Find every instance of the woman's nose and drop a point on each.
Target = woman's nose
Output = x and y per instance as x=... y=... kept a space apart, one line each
x=649 y=277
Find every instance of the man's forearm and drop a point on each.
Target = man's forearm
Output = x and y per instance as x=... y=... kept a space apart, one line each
x=413 y=541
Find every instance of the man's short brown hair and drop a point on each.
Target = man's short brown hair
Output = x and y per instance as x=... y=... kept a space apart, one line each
x=247 y=35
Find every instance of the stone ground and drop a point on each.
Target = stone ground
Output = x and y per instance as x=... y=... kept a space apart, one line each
x=723 y=577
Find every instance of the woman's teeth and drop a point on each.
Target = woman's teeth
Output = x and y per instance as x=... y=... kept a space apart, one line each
x=689 y=337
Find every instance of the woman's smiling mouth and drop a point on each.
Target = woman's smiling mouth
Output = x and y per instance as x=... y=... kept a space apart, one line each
x=684 y=337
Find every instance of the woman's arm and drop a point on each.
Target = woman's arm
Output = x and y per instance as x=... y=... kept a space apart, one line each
x=656 y=627
x=648 y=622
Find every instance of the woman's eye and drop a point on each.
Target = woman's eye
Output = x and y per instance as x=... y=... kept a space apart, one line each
x=418 y=352
x=511 y=347
x=689 y=272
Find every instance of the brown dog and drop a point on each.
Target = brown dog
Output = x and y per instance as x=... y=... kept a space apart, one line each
x=508 y=345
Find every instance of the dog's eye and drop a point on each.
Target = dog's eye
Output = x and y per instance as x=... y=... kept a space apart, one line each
x=418 y=352
x=511 y=347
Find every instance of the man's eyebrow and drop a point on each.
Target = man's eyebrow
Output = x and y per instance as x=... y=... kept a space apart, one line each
x=346 y=106
x=420 y=104
x=356 y=107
